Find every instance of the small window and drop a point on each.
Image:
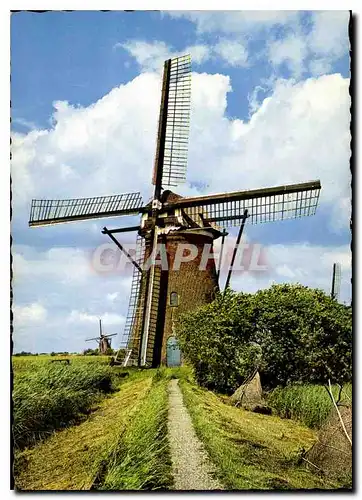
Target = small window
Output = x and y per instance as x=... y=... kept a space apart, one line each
x=174 y=299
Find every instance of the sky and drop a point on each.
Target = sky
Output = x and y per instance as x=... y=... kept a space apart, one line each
x=270 y=106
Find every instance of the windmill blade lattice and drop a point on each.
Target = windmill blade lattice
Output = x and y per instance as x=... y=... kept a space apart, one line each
x=263 y=205
x=172 y=140
x=45 y=212
x=133 y=313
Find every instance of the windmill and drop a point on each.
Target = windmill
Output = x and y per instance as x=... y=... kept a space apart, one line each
x=104 y=341
x=336 y=281
x=159 y=295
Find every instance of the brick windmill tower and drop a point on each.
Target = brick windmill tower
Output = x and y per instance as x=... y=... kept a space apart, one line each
x=169 y=277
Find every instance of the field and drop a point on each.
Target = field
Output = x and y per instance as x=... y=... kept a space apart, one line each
x=89 y=426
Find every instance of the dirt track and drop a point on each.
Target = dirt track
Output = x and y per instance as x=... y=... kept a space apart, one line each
x=192 y=469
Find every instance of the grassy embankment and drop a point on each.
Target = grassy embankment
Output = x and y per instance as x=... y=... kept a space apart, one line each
x=252 y=451
x=121 y=445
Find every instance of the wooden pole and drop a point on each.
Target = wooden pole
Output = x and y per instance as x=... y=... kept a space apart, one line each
x=236 y=248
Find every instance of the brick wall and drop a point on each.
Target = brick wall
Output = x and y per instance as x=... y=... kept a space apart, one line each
x=194 y=287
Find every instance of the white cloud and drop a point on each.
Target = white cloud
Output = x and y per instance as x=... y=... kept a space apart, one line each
x=29 y=314
x=151 y=56
x=301 y=132
x=329 y=34
x=66 y=265
x=91 y=144
x=232 y=51
x=112 y=296
x=320 y=66
x=310 y=265
x=84 y=317
x=25 y=123
x=326 y=42
x=235 y=21
x=291 y=50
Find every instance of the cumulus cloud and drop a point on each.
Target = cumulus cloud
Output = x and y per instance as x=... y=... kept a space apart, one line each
x=89 y=151
x=54 y=312
x=300 y=132
x=329 y=35
x=297 y=46
x=232 y=51
x=291 y=50
x=151 y=56
x=310 y=265
x=32 y=313
x=84 y=317
x=316 y=50
x=235 y=21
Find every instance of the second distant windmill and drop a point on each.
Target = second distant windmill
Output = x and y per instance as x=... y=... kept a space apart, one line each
x=104 y=340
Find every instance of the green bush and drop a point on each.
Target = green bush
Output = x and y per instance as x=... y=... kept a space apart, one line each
x=291 y=333
x=215 y=340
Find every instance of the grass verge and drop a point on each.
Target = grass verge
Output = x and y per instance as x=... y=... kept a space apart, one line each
x=251 y=451
x=141 y=459
x=309 y=404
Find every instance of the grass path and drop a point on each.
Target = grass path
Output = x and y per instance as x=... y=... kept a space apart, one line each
x=191 y=468
x=72 y=459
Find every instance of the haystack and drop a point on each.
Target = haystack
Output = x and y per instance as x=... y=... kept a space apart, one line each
x=332 y=453
x=250 y=395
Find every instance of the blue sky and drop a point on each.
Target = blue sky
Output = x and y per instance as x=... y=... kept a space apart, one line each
x=270 y=105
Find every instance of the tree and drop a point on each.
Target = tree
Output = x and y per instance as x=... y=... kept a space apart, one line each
x=292 y=333
x=304 y=334
x=91 y=352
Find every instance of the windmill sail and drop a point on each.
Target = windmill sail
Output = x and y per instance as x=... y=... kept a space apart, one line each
x=173 y=126
x=263 y=205
x=44 y=212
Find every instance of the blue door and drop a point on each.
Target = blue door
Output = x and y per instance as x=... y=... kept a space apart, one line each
x=173 y=353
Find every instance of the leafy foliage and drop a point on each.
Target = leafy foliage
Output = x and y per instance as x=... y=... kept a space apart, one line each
x=290 y=332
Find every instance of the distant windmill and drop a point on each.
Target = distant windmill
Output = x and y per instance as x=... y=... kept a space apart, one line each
x=336 y=281
x=159 y=296
x=104 y=341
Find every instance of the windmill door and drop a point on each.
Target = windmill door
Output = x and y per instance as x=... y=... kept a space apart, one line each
x=173 y=353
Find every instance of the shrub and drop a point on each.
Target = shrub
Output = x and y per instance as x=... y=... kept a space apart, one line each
x=214 y=339
x=290 y=332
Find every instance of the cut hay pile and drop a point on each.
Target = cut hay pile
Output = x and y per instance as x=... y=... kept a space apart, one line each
x=332 y=453
x=249 y=395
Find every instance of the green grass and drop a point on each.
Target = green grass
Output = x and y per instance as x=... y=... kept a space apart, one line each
x=309 y=404
x=74 y=458
x=49 y=396
x=122 y=445
x=141 y=460
x=251 y=451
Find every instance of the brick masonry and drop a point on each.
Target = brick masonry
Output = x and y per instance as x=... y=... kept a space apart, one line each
x=194 y=287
